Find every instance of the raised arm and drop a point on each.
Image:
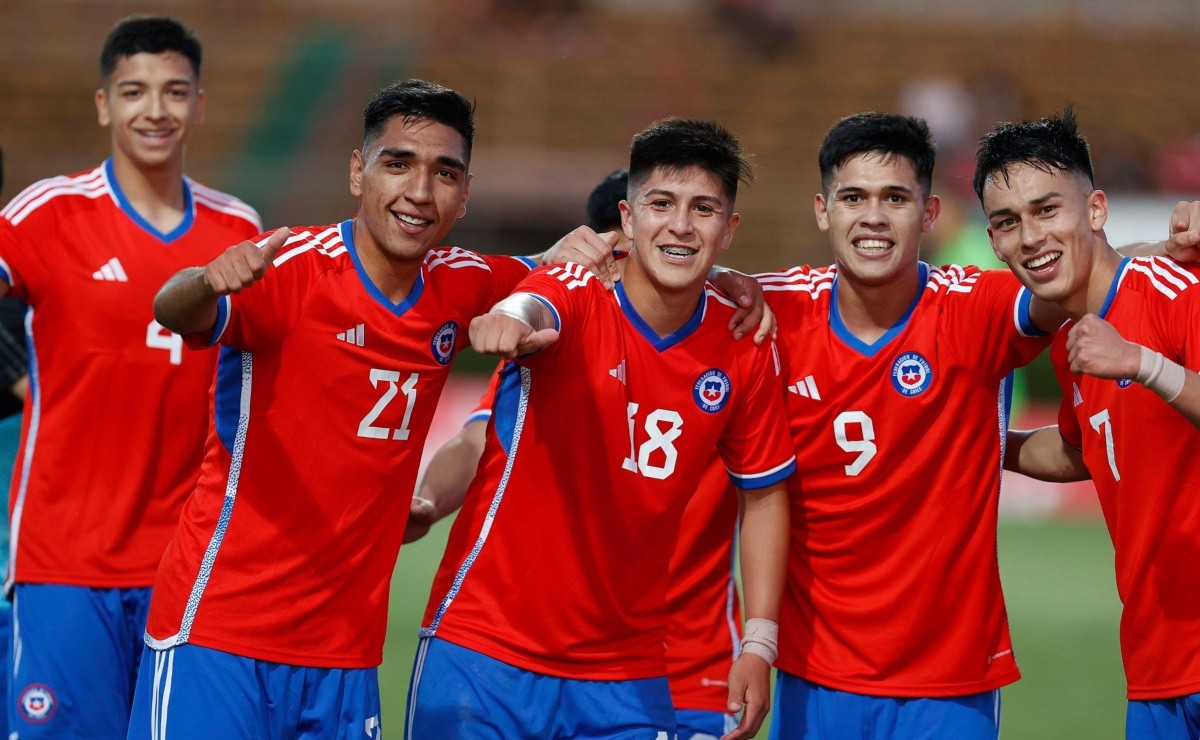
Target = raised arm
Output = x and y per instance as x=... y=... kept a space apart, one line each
x=446 y=479
x=515 y=326
x=187 y=303
x=1096 y=348
x=763 y=553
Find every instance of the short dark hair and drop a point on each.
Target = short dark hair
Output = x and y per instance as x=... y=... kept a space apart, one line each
x=415 y=99
x=674 y=144
x=603 y=212
x=148 y=34
x=885 y=134
x=1053 y=142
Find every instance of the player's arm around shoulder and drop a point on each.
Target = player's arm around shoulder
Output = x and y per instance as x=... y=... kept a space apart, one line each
x=187 y=302
x=1043 y=454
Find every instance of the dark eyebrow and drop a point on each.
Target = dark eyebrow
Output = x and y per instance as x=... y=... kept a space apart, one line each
x=139 y=83
x=672 y=195
x=886 y=188
x=445 y=161
x=1035 y=202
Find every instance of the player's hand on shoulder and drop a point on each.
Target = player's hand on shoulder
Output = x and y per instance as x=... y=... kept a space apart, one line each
x=753 y=315
x=749 y=693
x=585 y=247
x=1184 y=242
x=244 y=264
x=1095 y=347
x=500 y=334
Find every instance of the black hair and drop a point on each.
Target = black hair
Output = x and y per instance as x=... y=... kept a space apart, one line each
x=1050 y=143
x=885 y=134
x=603 y=213
x=148 y=34
x=418 y=99
x=674 y=144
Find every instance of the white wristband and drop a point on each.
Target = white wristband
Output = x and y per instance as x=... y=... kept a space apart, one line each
x=761 y=638
x=1160 y=375
x=524 y=308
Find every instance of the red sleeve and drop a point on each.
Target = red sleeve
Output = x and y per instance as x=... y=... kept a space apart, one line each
x=987 y=318
x=756 y=446
x=21 y=257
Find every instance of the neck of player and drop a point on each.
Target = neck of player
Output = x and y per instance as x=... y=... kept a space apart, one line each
x=868 y=311
x=156 y=193
x=665 y=309
x=1105 y=262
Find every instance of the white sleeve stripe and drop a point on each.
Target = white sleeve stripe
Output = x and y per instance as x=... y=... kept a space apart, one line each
x=764 y=474
x=17 y=215
x=1170 y=265
x=1158 y=267
x=1153 y=280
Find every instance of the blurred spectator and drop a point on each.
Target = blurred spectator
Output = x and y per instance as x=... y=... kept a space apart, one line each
x=1177 y=166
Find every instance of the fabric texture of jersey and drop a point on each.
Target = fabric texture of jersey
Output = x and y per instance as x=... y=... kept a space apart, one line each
x=557 y=562
x=703 y=608
x=325 y=391
x=893 y=584
x=115 y=418
x=1141 y=454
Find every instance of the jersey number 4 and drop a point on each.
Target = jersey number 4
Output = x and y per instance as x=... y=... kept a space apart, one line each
x=160 y=337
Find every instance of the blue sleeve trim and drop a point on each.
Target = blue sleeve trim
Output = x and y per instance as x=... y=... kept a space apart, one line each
x=223 y=307
x=1024 y=319
x=763 y=480
x=553 y=310
x=528 y=262
x=480 y=415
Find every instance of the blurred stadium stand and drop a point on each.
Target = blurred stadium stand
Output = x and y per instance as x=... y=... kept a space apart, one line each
x=562 y=84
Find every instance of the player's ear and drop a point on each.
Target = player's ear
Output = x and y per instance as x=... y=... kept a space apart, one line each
x=821 y=209
x=102 y=107
x=356 y=171
x=933 y=208
x=626 y=218
x=466 y=193
x=734 y=220
x=1097 y=204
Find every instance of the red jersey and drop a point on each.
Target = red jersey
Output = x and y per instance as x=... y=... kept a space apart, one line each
x=1142 y=457
x=893 y=585
x=704 y=621
x=558 y=561
x=114 y=424
x=325 y=391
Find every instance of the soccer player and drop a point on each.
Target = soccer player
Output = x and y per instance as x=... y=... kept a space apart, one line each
x=114 y=424
x=548 y=613
x=892 y=617
x=1131 y=399
x=704 y=628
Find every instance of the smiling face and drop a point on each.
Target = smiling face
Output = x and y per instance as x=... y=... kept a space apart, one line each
x=679 y=222
x=874 y=213
x=1047 y=227
x=150 y=103
x=413 y=184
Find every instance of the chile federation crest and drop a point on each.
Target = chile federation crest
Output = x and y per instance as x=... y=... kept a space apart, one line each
x=911 y=374
x=443 y=342
x=711 y=390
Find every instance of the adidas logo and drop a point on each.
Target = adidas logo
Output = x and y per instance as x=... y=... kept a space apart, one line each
x=111 y=271
x=806 y=388
x=354 y=335
x=618 y=372
x=1076 y=396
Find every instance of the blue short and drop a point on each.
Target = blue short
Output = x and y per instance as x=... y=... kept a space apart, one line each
x=75 y=653
x=458 y=694
x=1164 y=719
x=697 y=724
x=803 y=709
x=189 y=691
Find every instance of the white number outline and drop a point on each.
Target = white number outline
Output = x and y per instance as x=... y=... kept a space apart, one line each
x=1101 y=422
x=659 y=440
x=865 y=447
x=160 y=337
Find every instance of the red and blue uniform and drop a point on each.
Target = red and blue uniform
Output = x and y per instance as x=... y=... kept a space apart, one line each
x=111 y=436
x=893 y=586
x=1141 y=454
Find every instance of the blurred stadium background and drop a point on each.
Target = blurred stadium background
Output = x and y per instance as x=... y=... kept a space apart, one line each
x=561 y=85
